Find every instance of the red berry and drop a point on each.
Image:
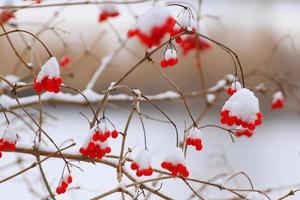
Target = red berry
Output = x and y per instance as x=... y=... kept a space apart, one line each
x=107 y=134
x=69 y=179
x=114 y=134
x=134 y=166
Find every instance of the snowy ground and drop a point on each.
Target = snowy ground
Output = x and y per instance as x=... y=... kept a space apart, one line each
x=270 y=158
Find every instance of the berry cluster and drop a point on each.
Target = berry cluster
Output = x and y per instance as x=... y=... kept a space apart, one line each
x=156 y=34
x=194 y=139
x=95 y=149
x=102 y=136
x=170 y=58
x=63 y=185
x=104 y=15
x=175 y=163
x=6 y=146
x=192 y=42
x=175 y=169
x=153 y=26
x=108 y=11
x=6 y=15
x=49 y=84
x=278 y=100
x=230 y=120
x=243 y=132
x=242 y=109
x=140 y=172
x=142 y=164
x=279 y=103
x=49 y=77
x=9 y=140
x=96 y=146
x=64 y=61
x=194 y=142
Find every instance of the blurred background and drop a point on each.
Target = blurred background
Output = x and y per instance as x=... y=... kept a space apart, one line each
x=264 y=34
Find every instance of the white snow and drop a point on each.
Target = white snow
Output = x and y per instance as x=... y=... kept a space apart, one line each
x=104 y=63
x=277 y=96
x=10 y=78
x=176 y=156
x=50 y=69
x=236 y=85
x=219 y=85
x=143 y=159
x=195 y=133
x=260 y=87
x=242 y=104
x=122 y=185
x=170 y=53
x=229 y=77
x=157 y=16
x=210 y=98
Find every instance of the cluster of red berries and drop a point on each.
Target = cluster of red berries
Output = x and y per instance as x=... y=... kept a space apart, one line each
x=140 y=172
x=243 y=132
x=97 y=146
x=196 y=142
x=279 y=103
x=170 y=62
x=49 y=84
x=156 y=35
x=63 y=185
x=231 y=91
x=102 y=137
x=6 y=15
x=230 y=120
x=95 y=150
x=106 y=14
x=175 y=169
x=193 y=42
x=64 y=61
x=6 y=146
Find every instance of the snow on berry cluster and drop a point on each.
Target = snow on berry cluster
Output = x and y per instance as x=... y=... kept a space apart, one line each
x=64 y=61
x=242 y=108
x=194 y=138
x=170 y=58
x=108 y=11
x=153 y=26
x=183 y=21
x=243 y=132
x=63 y=184
x=6 y=15
x=49 y=77
x=8 y=140
x=142 y=164
x=96 y=145
x=175 y=163
x=193 y=42
x=236 y=85
x=278 y=100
